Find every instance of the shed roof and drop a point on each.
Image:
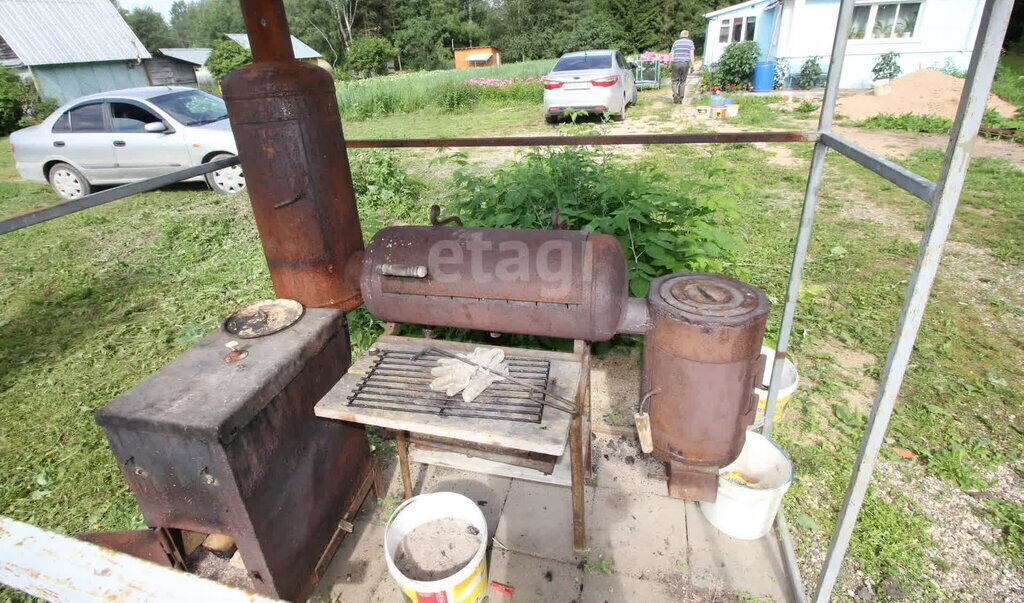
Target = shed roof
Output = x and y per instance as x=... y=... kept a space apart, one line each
x=45 y=32
x=729 y=9
x=196 y=56
x=301 y=50
x=478 y=56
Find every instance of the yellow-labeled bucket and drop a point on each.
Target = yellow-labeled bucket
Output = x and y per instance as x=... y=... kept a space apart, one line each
x=790 y=379
x=464 y=586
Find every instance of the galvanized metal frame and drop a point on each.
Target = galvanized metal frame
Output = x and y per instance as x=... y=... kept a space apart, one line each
x=942 y=195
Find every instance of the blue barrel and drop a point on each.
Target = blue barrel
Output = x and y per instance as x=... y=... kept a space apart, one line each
x=764 y=76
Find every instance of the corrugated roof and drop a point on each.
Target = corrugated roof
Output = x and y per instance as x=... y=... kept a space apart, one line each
x=478 y=56
x=45 y=32
x=727 y=9
x=196 y=56
x=301 y=50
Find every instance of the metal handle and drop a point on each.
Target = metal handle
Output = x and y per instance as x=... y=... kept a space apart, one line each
x=645 y=398
x=402 y=270
x=119 y=143
x=58 y=143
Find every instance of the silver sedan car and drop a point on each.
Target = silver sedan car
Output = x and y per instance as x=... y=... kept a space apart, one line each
x=127 y=135
x=589 y=81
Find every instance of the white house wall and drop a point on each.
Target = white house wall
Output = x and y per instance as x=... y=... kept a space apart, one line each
x=945 y=30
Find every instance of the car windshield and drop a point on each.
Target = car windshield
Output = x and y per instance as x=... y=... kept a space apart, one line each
x=578 y=62
x=192 y=107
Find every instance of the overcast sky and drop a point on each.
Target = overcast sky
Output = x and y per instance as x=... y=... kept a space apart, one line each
x=164 y=6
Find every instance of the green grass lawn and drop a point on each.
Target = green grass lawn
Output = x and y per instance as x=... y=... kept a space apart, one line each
x=92 y=303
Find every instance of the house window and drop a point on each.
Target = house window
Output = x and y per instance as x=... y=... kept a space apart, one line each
x=738 y=29
x=884 y=21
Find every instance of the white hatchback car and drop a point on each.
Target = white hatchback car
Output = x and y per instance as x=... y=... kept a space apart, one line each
x=127 y=135
x=589 y=81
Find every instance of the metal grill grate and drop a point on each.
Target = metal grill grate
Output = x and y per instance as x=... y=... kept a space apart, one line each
x=399 y=380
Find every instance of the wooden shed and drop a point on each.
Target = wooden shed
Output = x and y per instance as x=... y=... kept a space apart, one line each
x=477 y=56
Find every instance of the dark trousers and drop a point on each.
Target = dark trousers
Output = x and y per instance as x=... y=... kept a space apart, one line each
x=679 y=71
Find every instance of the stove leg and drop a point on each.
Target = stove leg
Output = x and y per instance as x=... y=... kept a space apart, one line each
x=579 y=537
x=403 y=461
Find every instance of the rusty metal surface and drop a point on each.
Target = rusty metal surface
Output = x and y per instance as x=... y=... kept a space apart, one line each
x=284 y=116
x=263 y=318
x=267 y=28
x=235 y=449
x=151 y=545
x=701 y=361
x=540 y=141
x=553 y=283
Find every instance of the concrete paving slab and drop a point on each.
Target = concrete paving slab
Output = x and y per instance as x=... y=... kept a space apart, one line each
x=487 y=491
x=622 y=466
x=358 y=568
x=535 y=579
x=638 y=532
x=719 y=562
x=599 y=587
x=537 y=520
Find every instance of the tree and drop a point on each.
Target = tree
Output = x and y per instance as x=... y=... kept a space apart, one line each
x=226 y=56
x=369 y=55
x=150 y=28
x=201 y=23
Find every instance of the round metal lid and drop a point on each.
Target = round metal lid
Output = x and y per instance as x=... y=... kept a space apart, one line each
x=712 y=296
x=264 y=317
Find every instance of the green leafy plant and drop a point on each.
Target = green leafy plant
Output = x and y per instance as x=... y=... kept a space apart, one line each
x=369 y=55
x=810 y=73
x=20 y=106
x=1008 y=517
x=887 y=67
x=661 y=229
x=601 y=564
x=909 y=122
x=737 y=63
x=956 y=464
x=709 y=78
x=388 y=504
x=226 y=56
x=455 y=98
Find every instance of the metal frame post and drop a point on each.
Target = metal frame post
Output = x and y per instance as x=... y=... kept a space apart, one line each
x=814 y=177
x=984 y=59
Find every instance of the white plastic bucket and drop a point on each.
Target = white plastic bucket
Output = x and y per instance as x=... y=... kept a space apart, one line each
x=747 y=511
x=463 y=586
x=790 y=379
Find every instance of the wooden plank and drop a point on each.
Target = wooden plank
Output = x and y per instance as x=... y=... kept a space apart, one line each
x=58 y=568
x=561 y=476
x=547 y=437
x=544 y=463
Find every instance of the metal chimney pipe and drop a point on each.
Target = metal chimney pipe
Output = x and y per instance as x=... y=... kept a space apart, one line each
x=284 y=115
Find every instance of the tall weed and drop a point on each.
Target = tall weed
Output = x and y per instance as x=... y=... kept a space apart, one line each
x=660 y=229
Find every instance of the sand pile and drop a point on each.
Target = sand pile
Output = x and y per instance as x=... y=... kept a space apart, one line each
x=437 y=549
x=924 y=92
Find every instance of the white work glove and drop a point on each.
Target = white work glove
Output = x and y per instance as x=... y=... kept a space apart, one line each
x=454 y=375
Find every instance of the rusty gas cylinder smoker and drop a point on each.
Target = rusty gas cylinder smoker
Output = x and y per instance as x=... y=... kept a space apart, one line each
x=702 y=331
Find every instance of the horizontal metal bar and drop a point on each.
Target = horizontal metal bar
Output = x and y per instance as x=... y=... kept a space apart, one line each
x=546 y=141
x=44 y=214
x=916 y=185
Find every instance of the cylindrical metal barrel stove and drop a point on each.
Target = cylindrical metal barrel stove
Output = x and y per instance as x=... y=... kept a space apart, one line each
x=702 y=358
x=553 y=283
x=284 y=115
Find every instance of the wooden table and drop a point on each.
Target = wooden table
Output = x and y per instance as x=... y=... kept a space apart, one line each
x=477 y=436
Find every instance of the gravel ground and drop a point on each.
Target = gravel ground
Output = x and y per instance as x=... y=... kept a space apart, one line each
x=962 y=538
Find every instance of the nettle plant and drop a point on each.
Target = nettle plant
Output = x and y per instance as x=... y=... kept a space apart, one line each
x=887 y=67
x=661 y=228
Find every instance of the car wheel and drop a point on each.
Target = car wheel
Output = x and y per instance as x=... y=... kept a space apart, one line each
x=621 y=115
x=68 y=182
x=227 y=181
x=551 y=119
